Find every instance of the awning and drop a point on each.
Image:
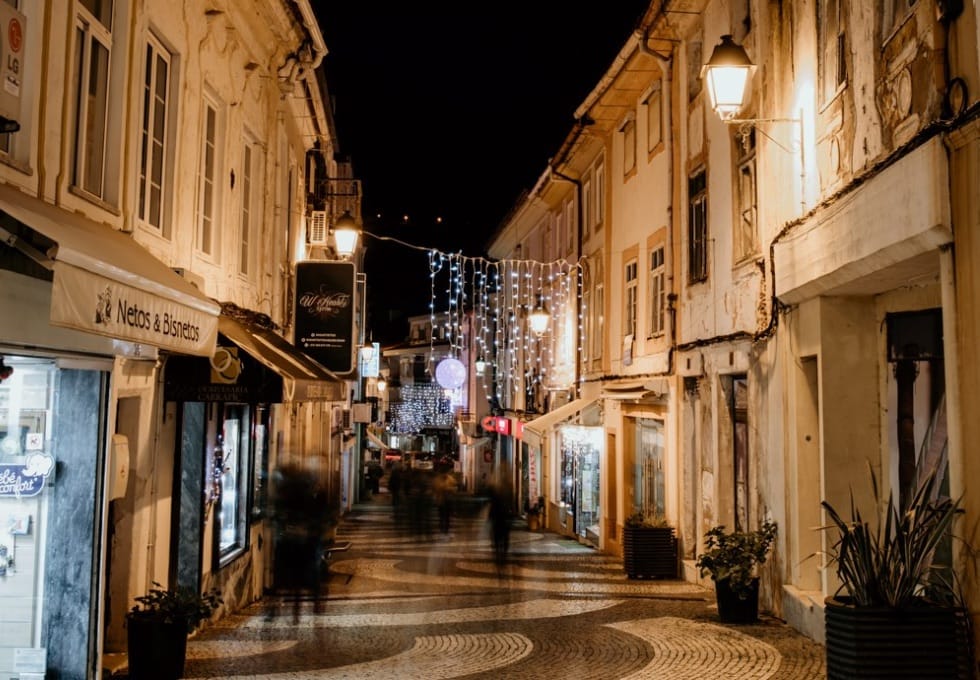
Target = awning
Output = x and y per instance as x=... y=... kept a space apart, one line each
x=376 y=440
x=303 y=379
x=107 y=283
x=535 y=430
x=652 y=389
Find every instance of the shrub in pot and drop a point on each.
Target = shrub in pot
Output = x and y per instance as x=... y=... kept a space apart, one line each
x=649 y=547
x=732 y=559
x=158 y=626
x=897 y=613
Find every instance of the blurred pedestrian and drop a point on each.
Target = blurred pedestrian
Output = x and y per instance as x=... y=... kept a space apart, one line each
x=500 y=520
x=443 y=494
x=301 y=512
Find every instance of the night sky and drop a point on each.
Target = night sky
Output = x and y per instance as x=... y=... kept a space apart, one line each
x=448 y=112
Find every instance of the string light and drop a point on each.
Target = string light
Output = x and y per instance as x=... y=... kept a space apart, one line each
x=499 y=294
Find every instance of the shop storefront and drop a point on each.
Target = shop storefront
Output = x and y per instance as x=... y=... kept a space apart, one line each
x=579 y=460
x=90 y=314
x=239 y=416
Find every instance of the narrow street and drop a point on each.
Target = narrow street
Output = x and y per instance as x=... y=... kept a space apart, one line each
x=401 y=605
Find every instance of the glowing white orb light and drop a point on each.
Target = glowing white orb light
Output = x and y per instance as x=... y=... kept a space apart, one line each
x=450 y=373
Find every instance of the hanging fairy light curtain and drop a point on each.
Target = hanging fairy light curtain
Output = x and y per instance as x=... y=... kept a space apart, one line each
x=501 y=295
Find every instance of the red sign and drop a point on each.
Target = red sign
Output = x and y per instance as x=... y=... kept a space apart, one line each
x=519 y=429
x=503 y=425
x=489 y=424
x=15 y=35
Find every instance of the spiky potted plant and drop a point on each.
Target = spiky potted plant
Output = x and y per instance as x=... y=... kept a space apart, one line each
x=732 y=558
x=897 y=612
x=158 y=626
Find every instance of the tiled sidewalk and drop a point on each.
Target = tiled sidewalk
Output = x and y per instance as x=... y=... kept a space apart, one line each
x=438 y=607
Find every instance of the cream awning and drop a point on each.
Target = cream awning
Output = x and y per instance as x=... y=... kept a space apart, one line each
x=535 y=430
x=107 y=283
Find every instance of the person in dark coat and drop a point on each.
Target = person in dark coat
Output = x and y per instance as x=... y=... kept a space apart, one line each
x=500 y=520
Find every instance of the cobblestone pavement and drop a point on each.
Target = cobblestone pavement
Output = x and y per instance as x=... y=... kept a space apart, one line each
x=401 y=607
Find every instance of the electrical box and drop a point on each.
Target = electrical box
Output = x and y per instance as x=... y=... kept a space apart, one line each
x=118 y=467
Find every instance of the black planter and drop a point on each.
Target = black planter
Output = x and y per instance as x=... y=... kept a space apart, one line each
x=157 y=649
x=923 y=642
x=734 y=609
x=650 y=552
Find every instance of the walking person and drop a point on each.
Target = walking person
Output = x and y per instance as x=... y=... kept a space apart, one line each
x=443 y=493
x=500 y=521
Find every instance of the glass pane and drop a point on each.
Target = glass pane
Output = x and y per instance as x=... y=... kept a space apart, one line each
x=95 y=118
x=101 y=10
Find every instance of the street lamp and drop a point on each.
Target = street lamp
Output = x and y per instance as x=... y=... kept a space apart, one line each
x=539 y=318
x=727 y=75
x=345 y=233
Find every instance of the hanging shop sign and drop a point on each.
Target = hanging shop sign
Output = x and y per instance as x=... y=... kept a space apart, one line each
x=23 y=480
x=325 y=313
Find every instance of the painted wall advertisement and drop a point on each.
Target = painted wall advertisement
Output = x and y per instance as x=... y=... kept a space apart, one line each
x=325 y=313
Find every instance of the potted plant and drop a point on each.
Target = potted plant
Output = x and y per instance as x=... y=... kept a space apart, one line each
x=897 y=612
x=649 y=547
x=158 y=626
x=534 y=514
x=732 y=558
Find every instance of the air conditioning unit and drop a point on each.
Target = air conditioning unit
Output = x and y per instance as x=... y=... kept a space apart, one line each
x=13 y=29
x=318 y=228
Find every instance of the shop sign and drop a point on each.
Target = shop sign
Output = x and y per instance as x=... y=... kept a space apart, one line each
x=93 y=303
x=503 y=425
x=325 y=313
x=23 y=480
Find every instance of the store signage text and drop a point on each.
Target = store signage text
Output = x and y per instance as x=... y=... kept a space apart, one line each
x=25 y=479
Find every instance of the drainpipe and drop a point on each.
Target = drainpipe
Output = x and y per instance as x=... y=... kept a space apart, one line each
x=312 y=27
x=667 y=67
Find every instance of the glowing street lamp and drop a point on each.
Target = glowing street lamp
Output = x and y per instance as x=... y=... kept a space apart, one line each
x=345 y=233
x=539 y=318
x=727 y=75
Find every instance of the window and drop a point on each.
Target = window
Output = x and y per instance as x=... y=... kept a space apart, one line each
x=832 y=66
x=629 y=146
x=587 y=210
x=654 y=119
x=658 y=293
x=629 y=315
x=598 y=317
x=93 y=45
x=154 y=143
x=648 y=474
x=893 y=13
x=600 y=195
x=569 y=220
x=746 y=241
x=586 y=341
x=233 y=469
x=245 y=254
x=207 y=180
x=697 y=232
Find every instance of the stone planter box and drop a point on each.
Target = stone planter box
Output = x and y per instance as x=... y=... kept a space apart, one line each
x=876 y=642
x=650 y=552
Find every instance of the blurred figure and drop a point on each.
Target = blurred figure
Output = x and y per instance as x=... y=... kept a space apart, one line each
x=373 y=475
x=443 y=494
x=301 y=514
x=396 y=485
x=501 y=500
x=419 y=500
